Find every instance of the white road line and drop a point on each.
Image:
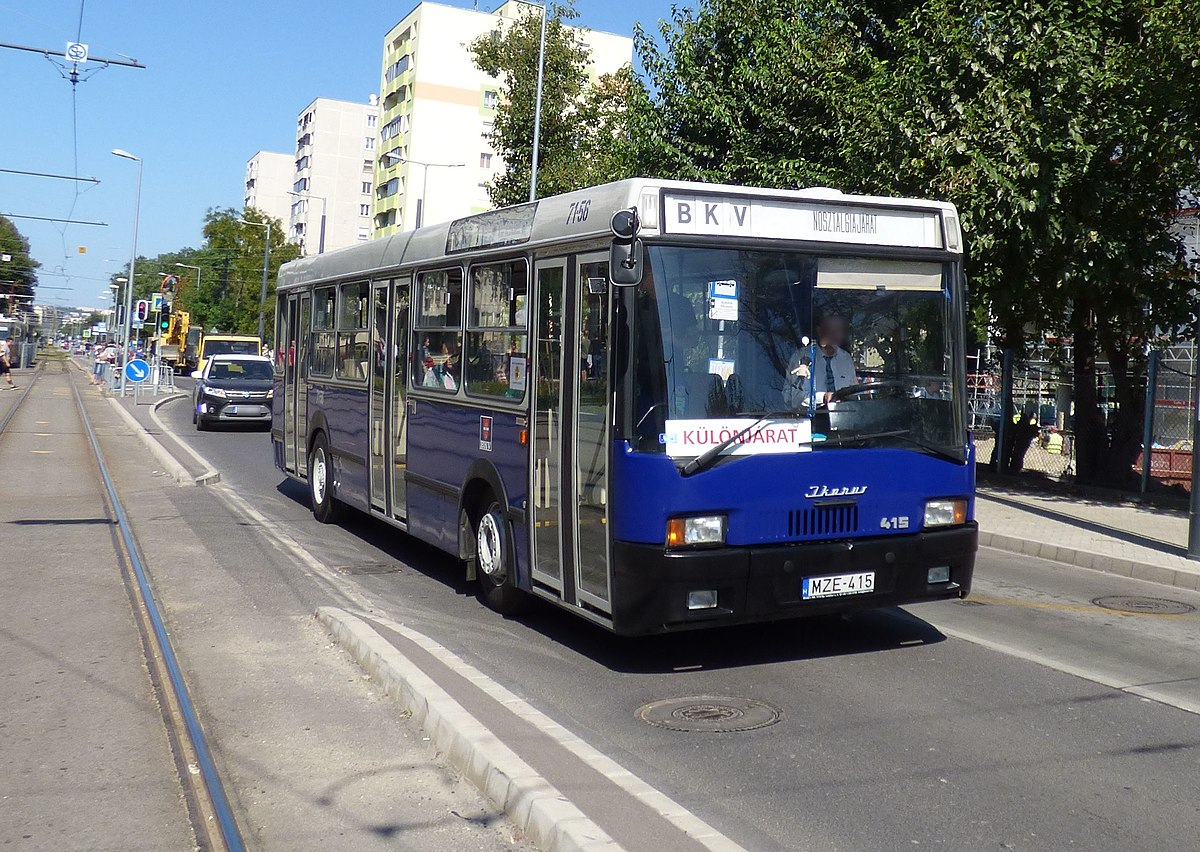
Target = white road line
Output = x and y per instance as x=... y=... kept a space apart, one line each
x=669 y=809
x=1145 y=692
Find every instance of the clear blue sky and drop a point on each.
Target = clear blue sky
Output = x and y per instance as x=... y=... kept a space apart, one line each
x=224 y=78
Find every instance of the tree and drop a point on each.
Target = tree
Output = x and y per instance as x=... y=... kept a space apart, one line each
x=18 y=275
x=579 y=121
x=1064 y=132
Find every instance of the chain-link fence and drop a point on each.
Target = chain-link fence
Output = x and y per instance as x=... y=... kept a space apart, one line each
x=1171 y=429
x=1040 y=436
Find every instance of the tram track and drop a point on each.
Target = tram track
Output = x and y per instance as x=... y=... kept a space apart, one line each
x=214 y=825
x=12 y=412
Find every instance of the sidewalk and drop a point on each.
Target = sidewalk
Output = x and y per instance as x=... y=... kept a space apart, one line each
x=87 y=763
x=1124 y=538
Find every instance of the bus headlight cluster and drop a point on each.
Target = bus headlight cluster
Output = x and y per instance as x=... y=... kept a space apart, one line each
x=699 y=531
x=945 y=513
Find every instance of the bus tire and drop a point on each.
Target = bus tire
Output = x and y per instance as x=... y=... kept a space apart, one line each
x=325 y=508
x=495 y=561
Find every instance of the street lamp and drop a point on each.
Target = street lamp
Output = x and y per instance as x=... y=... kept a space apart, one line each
x=197 y=268
x=537 y=109
x=262 y=295
x=324 y=202
x=425 y=167
x=137 y=209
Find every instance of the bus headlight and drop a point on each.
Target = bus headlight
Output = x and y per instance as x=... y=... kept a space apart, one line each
x=700 y=531
x=945 y=513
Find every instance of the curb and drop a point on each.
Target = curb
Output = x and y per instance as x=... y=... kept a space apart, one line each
x=1094 y=561
x=551 y=822
x=161 y=454
x=211 y=475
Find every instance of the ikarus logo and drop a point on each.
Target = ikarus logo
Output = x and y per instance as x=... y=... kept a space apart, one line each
x=817 y=491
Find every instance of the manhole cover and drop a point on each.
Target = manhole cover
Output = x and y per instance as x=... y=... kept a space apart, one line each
x=1143 y=606
x=367 y=568
x=709 y=714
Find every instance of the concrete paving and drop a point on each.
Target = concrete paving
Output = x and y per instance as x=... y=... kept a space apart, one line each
x=1124 y=538
x=312 y=756
x=85 y=755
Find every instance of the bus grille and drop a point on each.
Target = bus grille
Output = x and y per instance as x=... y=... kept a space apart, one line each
x=832 y=520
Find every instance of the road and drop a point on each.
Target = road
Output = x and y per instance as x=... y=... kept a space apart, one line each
x=1017 y=721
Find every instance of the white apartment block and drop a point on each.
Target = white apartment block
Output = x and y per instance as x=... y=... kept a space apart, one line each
x=268 y=179
x=438 y=109
x=333 y=174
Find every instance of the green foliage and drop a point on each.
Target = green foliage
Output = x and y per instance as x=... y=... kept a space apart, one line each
x=1065 y=132
x=231 y=261
x=580 y=119
x=18 y=276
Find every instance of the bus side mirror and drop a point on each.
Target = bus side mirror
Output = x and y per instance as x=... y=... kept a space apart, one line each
x=625 y=256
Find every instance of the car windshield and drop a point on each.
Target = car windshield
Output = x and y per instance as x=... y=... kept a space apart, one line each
x=230 y=347
x=858 y=346
x=248 y=371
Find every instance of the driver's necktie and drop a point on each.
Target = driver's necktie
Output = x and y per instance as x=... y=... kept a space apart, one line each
x=829 y=383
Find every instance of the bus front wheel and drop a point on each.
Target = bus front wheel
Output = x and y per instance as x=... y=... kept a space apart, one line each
x=495 y=561
x=320 y=482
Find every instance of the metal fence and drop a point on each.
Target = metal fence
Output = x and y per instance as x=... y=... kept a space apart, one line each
x=1042 y=424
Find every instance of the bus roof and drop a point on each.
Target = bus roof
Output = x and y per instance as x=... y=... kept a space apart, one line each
x=666 y=208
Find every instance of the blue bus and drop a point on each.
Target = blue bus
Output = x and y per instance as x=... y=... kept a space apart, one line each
x=660 y=405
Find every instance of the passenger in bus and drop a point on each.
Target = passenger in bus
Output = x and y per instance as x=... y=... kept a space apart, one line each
x=834 y=366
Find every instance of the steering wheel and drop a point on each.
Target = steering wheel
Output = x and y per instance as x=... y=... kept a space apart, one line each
x=897 y=388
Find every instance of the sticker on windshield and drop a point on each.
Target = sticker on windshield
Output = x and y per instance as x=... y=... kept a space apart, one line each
x=722 y=367
x=689 y=438
x=723 y=300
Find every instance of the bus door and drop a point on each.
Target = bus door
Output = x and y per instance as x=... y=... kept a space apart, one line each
x=590 y=417
x=546 y=425
x=380 y=342
x=302 y=341
x=398 y=372
x=289 y=317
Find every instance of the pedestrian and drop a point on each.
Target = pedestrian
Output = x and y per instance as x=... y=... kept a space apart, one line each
x=6 y=364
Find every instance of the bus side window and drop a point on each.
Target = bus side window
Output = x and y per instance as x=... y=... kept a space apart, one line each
x=497 y=356
x=437 y=333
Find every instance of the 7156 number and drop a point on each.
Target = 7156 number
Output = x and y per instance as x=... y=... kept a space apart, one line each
x=578 y=211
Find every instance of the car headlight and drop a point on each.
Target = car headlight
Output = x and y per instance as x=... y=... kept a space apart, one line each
x=271 y=393
x=699 y=531
x=215 y=392
x=945 y=513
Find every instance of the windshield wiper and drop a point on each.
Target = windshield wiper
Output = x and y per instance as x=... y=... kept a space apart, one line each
x=709 y=457
x=904 y=435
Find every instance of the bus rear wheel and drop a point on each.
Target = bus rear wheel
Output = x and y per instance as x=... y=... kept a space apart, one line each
x=325 y=508
x=494 y=559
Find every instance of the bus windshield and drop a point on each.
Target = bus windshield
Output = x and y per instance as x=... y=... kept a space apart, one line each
x=862 y=346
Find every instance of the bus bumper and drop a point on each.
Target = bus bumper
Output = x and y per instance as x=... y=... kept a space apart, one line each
x=651 y=585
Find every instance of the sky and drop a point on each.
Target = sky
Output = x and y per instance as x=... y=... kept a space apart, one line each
x=223 y=79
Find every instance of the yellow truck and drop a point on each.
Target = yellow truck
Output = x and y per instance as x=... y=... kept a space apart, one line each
x=226 y=344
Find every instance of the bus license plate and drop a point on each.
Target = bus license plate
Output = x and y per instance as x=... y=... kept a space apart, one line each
x=836 y=585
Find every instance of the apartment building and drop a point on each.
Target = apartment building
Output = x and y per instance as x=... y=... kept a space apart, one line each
x=333 y=174
x=268 y=179
x=433 y=159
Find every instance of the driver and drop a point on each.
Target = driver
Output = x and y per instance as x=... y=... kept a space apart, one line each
x=834 y=368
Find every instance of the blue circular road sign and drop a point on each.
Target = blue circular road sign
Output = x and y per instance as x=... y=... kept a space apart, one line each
x=137 y=370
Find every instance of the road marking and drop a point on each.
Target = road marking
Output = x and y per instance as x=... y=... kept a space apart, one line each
x=43 y=434
x=669 y=809
x=1140 y=690
x=42 y=452
x=1085 y=608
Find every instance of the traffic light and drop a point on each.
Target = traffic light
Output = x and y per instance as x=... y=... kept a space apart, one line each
x=164 y=320
x=143 y=310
